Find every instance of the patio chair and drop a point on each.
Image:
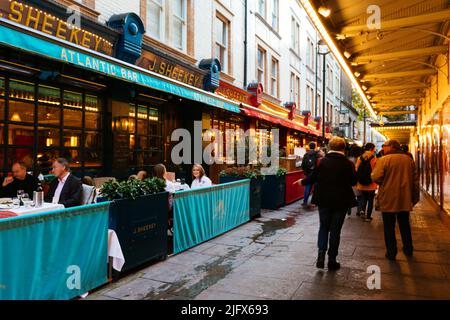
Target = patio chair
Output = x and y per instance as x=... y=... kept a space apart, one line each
x=88 y=194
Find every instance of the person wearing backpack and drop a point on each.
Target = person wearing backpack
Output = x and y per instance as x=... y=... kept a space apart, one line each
x=364 y=166
x=309 y=163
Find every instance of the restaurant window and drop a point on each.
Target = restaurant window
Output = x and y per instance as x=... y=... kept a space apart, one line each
x=155 y=18
x=221 y=48
x=261 y=67
x=137 y=135
x=295 y=35
x=274 y=78
x=179 y=24
x=222 y=121
x=45 y=122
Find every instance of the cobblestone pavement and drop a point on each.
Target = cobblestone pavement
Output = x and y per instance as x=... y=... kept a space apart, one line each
x=274 y=256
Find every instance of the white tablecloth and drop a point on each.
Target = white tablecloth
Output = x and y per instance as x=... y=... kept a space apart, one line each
x=180 y=187
x=28 y=210
x=115 y=251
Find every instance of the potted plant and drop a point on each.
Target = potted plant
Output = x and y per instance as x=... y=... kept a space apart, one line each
x=238 y=173
x=139 y=215
x=274 y=188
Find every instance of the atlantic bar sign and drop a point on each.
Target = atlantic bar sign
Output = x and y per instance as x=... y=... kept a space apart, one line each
x=37 y=19
x=170 y=69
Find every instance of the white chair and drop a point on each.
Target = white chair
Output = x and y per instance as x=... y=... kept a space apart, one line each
x=88 y=194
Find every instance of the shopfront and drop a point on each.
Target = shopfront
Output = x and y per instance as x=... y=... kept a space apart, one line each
x=433 y=154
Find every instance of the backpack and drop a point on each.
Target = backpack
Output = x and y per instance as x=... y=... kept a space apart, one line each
x=364 y=171
x=309 y=162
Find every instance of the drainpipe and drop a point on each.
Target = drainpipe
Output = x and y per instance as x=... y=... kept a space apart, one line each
x=245 y=43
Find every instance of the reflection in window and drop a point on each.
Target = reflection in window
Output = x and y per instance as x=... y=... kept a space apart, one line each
x=92 y=120
x=73 y=99
x=21 y=135
x=49 y=95
x=93 y=140
x=2 y=86
x=48 y=137
x=49 y=115
x=21 y=90
x=21 y=111
x=73 y=118
x=71 y=138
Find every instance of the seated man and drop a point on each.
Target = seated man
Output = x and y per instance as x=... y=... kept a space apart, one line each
x=66 y=189
x=20 y=180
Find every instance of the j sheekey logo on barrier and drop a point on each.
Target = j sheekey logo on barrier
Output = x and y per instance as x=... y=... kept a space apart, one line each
x=74 y=279
x=374 y=280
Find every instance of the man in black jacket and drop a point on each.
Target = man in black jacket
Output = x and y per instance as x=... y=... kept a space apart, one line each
x=66 y=189
x=335 y=176
x=309 y=163
x=20 y=180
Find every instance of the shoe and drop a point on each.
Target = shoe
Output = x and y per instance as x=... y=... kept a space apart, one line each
x=389 y=257
x=321 y=260
x=369 y=219
x=304 y=205
x=408 y=253
x=333 y=265
x=362 y=215
x=358 y=214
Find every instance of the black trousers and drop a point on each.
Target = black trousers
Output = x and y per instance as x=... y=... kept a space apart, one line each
x=331 y=222
x=367 y=202
x=389 y=219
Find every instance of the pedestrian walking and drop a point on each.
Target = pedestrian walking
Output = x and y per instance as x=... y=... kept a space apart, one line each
x=309 y=163
x=364 y=167
x=396 y=175
x=335 y=176
x=354 y=153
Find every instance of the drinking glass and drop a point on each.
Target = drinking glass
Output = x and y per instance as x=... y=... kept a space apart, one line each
x=16 y=203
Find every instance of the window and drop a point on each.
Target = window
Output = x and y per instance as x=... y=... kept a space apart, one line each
x=262 y=8
x=274 y=78
x=309 y=97
x=221 y=48
x=166 y=21
x=295 y=89
x=274 y=14
x=310 y=54
x=336 y=86
x=155 y=18
x=261 y=67
x=179 y=23
x=295 y=35
x=46 y=122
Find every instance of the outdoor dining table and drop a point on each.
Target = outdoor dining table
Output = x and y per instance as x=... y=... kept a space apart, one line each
x=23 y=210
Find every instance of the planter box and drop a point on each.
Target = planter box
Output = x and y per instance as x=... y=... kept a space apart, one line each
x=273 y=192
x=255 y=193
x=294 y=192
x=141 y=226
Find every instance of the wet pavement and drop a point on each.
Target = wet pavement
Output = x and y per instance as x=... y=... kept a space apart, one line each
x=274 y=257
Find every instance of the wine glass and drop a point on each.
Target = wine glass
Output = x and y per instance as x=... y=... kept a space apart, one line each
x=20 y=194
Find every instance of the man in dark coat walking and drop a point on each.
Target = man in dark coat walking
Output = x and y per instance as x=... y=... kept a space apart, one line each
x=335 y=176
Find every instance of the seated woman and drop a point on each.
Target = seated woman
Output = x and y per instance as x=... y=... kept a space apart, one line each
x=200 y=179
x=159 y=171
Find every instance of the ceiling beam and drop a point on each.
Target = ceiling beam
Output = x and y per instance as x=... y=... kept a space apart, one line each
x=397 y=113
x=381 y=97
x=400 y=54
x=400 y=74
x=352 y=31
x=394 y=104
x=398 y=87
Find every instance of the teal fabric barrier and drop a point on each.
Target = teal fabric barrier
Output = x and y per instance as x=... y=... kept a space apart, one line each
x=202 y=214
x=54 y=255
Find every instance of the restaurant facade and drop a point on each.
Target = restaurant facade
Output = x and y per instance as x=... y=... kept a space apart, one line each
x=108 y=102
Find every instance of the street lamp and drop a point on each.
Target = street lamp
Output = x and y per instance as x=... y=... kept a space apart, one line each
x=323 y=51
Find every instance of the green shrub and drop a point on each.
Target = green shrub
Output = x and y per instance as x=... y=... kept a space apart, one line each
x=132 y=189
